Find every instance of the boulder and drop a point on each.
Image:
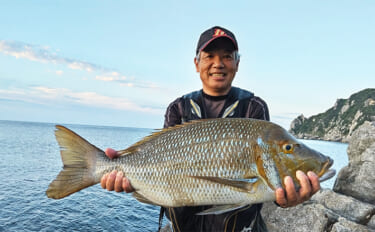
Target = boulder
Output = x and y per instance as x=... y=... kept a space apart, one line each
x=326 y=211
x=358 y=178
x=353 y=209
x=361 y=140
x=344 y=225
x=371 y=223
x=304 y=217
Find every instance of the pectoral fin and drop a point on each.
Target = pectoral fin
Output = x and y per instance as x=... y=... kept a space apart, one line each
x=220 y=209
x=245 y=185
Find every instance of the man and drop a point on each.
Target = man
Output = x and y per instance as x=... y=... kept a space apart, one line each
x=217 y=62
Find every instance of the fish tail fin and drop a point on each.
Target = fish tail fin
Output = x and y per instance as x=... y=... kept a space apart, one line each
x=79 y=158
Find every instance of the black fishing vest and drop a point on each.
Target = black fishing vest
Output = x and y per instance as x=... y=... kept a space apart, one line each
x=192 y=107
x=235 y=106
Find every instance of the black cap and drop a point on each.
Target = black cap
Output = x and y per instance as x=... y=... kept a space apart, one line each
x=213 y=33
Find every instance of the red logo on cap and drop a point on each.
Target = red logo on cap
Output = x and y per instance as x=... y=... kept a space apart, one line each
x=219 y=32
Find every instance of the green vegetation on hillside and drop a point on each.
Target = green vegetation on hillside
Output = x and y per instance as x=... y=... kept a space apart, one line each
x=346 y=113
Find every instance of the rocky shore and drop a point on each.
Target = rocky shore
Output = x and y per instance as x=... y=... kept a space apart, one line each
x=350 y=206
x=339 y=122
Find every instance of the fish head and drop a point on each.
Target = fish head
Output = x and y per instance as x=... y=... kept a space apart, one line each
x=291 y=155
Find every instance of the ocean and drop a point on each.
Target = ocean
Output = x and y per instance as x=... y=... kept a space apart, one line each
x=30 y=160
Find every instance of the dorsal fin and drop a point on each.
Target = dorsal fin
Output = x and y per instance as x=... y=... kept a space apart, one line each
x=158 y=132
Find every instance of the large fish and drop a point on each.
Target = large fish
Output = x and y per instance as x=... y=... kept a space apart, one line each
x=225 y=162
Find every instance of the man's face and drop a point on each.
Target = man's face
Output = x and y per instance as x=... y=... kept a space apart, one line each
x=217 y=67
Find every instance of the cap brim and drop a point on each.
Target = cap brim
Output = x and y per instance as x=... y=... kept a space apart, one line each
x=217 y=37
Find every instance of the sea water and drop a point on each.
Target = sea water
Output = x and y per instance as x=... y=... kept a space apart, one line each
x=30 y=160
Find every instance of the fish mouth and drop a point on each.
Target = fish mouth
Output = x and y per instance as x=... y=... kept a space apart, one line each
x=327 y=173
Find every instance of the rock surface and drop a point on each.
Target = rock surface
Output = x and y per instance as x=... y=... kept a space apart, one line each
x=350 y=206
x=358 y=178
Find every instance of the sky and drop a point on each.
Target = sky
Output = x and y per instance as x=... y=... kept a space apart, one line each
x=120 y=63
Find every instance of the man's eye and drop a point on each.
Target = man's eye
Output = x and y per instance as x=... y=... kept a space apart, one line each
x=228 y=56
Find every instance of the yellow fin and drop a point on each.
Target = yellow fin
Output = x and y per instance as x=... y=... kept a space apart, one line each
x=78 y=157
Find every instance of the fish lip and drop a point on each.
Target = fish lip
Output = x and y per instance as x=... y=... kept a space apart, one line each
x=327 y=175
x=328 y=164
x=326 y=167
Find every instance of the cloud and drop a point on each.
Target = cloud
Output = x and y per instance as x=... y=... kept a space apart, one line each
x=47 y=96
x=113 y=76
x=125 y=81
x=59 y=72
x=44 y=54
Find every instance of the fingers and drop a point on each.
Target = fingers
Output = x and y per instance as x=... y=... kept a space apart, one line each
x=122 y=183
x=118 y=182
x=280 y=197
x=314 y=180
x=103 y=181
x=115 y=181
x=111 y=153
x=290 y=197
x=305 y=191
x=110 y=184
x=291 y=193
x=127 y=186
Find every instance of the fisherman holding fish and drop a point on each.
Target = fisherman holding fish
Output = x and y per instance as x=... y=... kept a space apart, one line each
x=217 y=60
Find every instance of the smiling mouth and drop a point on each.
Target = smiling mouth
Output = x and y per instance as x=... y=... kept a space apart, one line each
x=218 y=75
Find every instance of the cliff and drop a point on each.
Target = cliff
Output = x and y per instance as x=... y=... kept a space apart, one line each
x=350 y=206
x=338 y=122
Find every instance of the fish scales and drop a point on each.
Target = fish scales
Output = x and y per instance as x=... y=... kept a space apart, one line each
x=217 y=161
x=210 y=149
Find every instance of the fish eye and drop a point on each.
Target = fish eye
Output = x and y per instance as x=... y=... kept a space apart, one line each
x=288 y=147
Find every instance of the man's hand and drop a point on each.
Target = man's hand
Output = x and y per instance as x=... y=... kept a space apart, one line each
x=309 y=186
x=115 y=180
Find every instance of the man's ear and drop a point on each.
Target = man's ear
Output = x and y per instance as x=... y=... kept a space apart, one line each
x=196 y=64
x=237 y=64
